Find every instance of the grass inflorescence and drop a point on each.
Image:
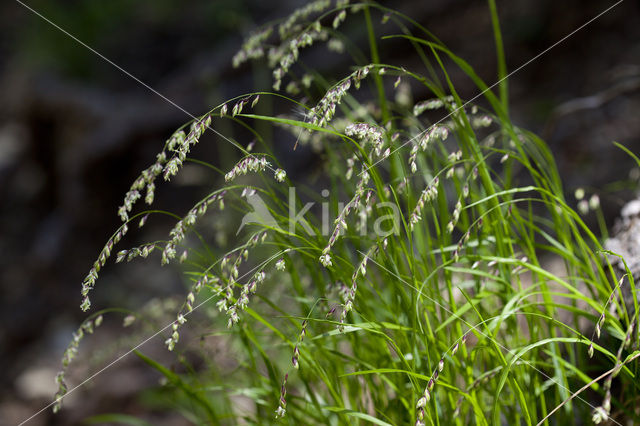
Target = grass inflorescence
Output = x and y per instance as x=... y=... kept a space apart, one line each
x=420 y=293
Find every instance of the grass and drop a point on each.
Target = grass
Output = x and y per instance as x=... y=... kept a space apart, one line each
x=418 y=287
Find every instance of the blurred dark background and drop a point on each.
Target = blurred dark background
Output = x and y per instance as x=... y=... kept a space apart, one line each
x=75 y=131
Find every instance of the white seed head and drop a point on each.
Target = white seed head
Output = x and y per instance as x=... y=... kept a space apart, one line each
x=583 y=207
x=325 y=260
x=128 y=320
x=599 y=415
x=280 y=175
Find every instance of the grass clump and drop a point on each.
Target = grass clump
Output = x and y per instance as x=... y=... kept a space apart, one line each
x=416 y=288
